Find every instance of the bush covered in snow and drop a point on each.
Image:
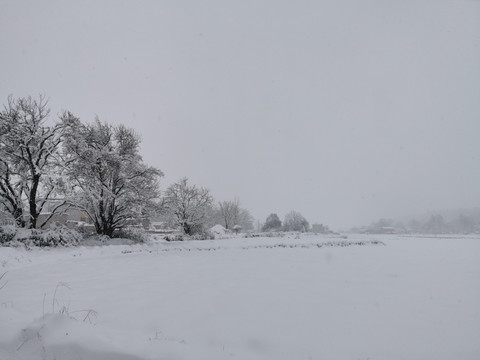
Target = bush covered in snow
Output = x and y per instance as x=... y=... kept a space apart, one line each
x=56 y=236
x=204 y=235
x=62 y=236
x=135 y=234
x=7 y=234
x=218 y=230
x=173 y=237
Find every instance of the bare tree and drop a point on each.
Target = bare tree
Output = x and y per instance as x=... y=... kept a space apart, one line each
x=245 y=220
x=109 y=180
x=28 y=167
x=229 y=213
x=294 y=221
x=188 y=205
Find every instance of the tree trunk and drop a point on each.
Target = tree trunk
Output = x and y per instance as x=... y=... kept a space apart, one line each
x=32 y=201
x=109 y=231
x=187 y=228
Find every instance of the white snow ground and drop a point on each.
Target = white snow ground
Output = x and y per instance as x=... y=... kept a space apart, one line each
x=262 y=298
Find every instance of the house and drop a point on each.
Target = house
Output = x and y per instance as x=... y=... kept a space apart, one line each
x=66 y=215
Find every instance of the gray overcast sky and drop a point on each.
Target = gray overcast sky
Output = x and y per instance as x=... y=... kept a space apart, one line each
x=346 y=111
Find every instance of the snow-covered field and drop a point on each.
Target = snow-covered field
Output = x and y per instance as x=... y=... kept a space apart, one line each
x=296 y=297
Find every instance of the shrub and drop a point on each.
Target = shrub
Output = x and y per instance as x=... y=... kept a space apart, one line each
x=203 y=235
x=7 y=234
x=177 y=237
x=135 y=234
x=95 y=239
x=59 y=236
x=56 y=236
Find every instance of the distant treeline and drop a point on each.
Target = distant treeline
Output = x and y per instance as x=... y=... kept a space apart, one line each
x=464 y=221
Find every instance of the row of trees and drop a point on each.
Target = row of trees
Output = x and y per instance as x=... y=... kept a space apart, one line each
x=95 y=167
x=294 y=221
x=51 y=168
x=193 y=209
x=48 y=167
